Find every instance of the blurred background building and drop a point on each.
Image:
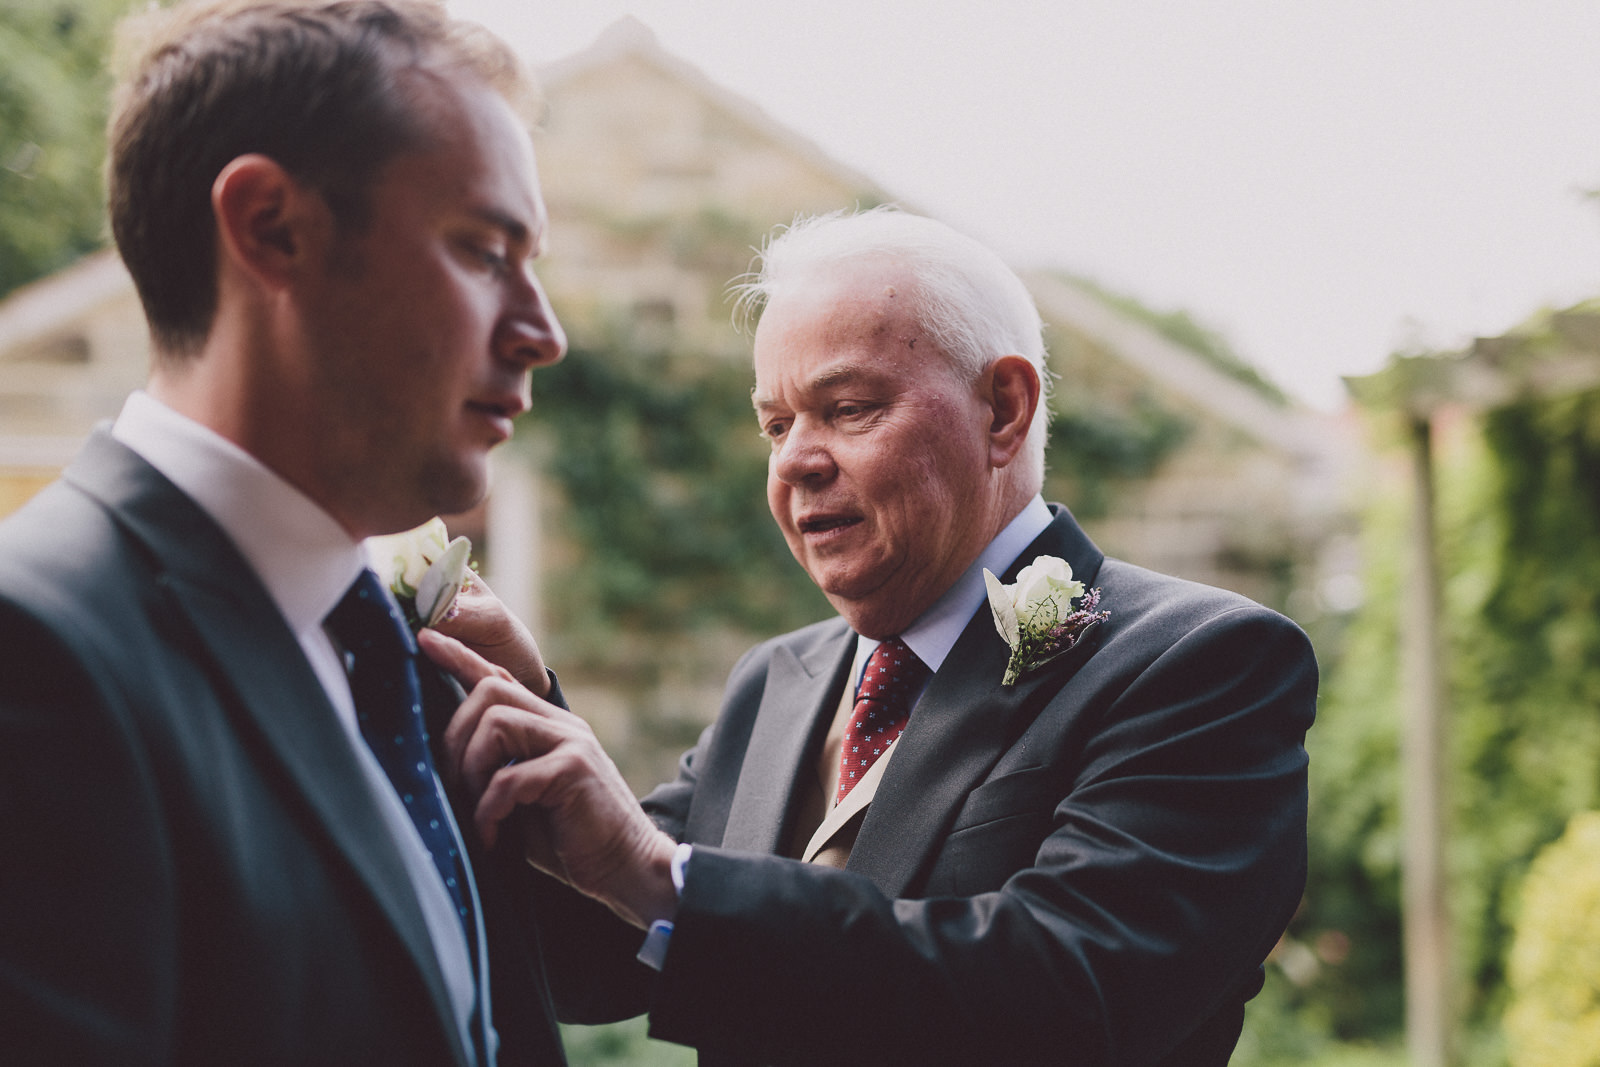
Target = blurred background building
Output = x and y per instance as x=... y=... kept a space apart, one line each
x=660 y=186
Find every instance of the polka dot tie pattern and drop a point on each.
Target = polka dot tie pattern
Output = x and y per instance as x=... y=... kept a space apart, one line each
x=893 y=676
x=380 y=657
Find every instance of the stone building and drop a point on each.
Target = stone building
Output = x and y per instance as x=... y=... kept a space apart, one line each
x=660 y=183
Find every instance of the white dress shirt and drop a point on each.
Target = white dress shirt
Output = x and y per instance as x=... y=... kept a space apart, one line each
x=307 y=561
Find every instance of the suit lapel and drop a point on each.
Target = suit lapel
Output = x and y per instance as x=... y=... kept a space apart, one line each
x=962 y=725
x=264 y=679
x=801 y=689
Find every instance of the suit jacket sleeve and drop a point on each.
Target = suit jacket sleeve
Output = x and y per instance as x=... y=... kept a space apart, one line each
x=587 y=955
x=590 y=953
x=1106 y=896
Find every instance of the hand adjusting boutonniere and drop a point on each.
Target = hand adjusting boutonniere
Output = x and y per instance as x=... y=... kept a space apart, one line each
x=1035 y=615
x=423 y=569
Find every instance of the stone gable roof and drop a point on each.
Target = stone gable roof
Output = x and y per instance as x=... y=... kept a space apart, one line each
x=1177 y=369
x=630 y=39
x=48 y=308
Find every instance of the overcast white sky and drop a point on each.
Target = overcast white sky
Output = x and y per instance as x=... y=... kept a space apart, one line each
x=1320 y=181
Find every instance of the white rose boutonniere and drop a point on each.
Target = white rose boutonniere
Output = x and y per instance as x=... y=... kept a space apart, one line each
x=1035 y=614
x=424 y=569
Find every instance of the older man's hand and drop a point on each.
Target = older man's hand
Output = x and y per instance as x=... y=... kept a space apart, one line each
x=516 y=753
x=485 y=625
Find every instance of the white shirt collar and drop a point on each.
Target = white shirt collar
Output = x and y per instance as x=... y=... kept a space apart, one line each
x=936 y=630
x=301 y=554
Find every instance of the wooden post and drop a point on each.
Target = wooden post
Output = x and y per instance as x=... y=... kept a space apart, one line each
x=1425 y=903
x=515 y=554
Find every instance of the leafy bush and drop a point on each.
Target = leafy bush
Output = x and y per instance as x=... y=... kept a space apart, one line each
x=1554 y=1017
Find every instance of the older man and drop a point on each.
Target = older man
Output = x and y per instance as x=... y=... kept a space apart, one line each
x=1086 y=863
x=211 y=856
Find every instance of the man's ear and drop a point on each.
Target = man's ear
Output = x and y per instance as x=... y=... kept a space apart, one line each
x=1012 y=388
x=266 y=221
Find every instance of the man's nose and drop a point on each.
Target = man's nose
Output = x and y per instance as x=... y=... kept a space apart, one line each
x=529 y=334
x=803 y=455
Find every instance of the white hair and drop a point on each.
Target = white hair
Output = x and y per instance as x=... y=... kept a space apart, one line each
x=969 y=301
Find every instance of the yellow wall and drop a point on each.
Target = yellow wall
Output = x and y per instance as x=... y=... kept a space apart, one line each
x=16 y=486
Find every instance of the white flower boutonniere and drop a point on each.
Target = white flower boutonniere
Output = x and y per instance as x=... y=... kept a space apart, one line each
x=424 y=570
x=1035 y=614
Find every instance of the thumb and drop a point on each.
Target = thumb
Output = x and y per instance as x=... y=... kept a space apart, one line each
x=450 y=655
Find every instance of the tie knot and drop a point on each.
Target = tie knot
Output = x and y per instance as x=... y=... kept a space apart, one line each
x=367 y=621
x=893 y=673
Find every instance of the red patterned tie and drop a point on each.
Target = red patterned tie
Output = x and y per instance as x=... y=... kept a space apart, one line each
x=893 y=676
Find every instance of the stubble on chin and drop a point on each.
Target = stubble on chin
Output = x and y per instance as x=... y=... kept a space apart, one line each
x=456 y=490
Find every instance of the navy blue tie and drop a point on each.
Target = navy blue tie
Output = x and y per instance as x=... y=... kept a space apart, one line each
x=381 y=659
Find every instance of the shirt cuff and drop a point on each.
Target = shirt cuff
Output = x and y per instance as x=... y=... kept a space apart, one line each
x=680 y=865
x=653 y=953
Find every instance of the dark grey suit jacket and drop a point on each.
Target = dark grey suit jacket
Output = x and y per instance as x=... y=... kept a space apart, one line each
x=1086 y=868
x=191 y=867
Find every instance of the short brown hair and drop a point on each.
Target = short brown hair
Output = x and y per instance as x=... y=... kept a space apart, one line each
x=315 y=85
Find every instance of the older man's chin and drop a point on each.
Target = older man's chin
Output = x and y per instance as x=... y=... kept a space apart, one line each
x=873 y=615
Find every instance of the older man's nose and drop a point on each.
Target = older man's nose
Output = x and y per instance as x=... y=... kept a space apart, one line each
x=803 y=455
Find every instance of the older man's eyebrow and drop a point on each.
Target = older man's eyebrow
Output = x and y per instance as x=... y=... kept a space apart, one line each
x=853 y=373
x=845 y=374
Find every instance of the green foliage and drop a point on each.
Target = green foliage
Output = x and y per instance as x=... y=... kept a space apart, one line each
x=1528 y=722
x=1519 y=541
x=1278 y=1033
x=664 y=476
x=1554 y=1017
x=624 y=1044
x=1352 y=892
x=1095 y=451
x=53 y=99
x=1181 y=328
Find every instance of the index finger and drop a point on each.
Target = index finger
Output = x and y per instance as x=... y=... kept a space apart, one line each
x=451 y=655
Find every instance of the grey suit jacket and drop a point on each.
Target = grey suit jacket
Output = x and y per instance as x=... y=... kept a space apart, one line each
x=194 y=870
x=1086 y=868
